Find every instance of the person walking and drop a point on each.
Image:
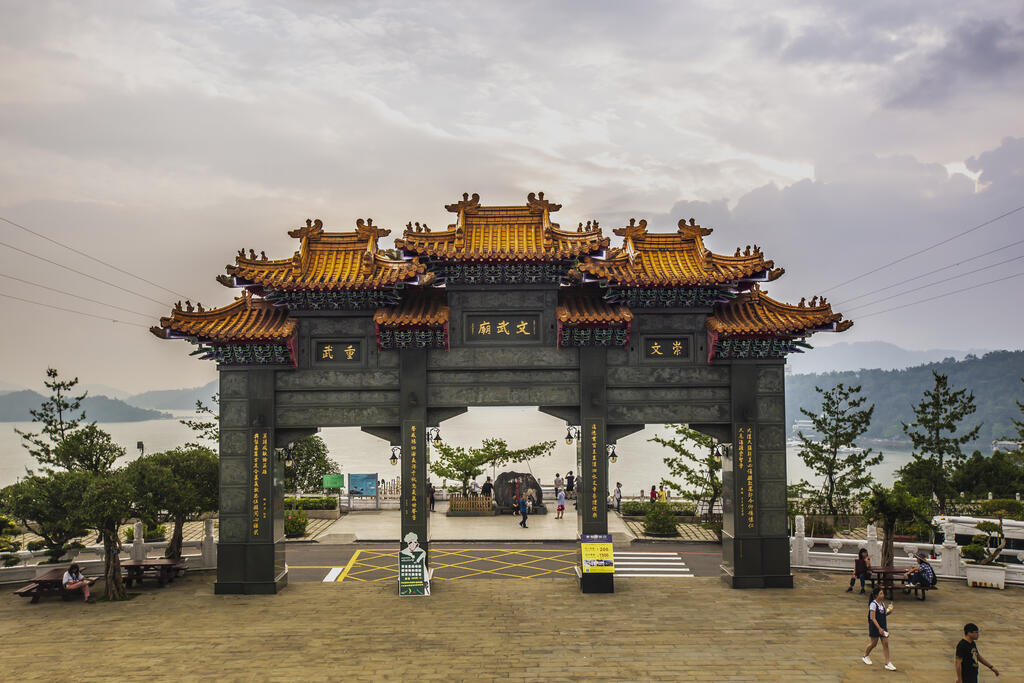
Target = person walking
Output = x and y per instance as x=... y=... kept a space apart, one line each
x=522 y=511
x=618 y=496
x=570 y=485
x=559 y=482
x=861 y=570
x=430 y=495
x=967 y=657
x=877 y=626
x=654 y=493
x=661 y=495
x=560 y=513
x=488 y=488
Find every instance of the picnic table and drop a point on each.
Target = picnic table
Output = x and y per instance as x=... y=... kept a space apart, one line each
x=884 y=576
x=166 y=569
x=51 y=582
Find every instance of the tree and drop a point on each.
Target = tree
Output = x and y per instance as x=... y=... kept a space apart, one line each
x=89 y=449
x=107 y=504
x=934 y=433
x=59 y=415
x=1019 y=424
x=176 y=485
x=890 y=507
x=206 y=425
x=1001 y=474
x=456 y=462
x=835 y=458
x=701 y=472
x=310 y=462
x=53 y=501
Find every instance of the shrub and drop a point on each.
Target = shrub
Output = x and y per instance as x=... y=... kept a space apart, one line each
x=154 y=534
x=685 y=509
x=11 y=560
x=1009 y=508
x=634 y=508
x=36 y=545
x=295 y=523
x=659 y=520
x=974 y=552
x=325 y=503
x=9 y=546
x=637 y=508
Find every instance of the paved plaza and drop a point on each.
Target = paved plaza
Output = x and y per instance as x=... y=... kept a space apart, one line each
x=496 y=629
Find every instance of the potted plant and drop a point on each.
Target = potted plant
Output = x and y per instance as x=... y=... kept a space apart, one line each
x=982 y=568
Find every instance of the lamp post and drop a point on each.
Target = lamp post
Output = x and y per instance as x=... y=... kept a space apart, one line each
x=611 y=453
x=572 y=433
x=396 y=453
x=434 y=435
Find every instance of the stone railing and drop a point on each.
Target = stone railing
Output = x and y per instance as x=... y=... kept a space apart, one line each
x=91 y=558
x=806 y=552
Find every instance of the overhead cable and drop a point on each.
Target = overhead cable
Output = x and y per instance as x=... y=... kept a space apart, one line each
x=940 y=296
x=77 y=296
x=92 y=258
x=70 y=310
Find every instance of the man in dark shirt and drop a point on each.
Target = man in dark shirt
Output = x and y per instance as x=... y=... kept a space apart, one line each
x=968 y=657
x=488 y=488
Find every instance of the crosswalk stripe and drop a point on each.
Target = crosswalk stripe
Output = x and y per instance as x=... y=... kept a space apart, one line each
x=637 y=563
x=632 y=552
x=633 y=576
x=651 y=569
x=332 y=575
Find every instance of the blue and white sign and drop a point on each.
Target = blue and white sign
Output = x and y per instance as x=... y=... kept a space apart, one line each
x=362 y=484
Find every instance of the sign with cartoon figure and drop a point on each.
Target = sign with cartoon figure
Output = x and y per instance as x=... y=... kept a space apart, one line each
x=412 y=568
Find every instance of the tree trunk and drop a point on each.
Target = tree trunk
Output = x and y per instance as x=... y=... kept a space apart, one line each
x=173 y=550
x=889 y=529
x=113 y=584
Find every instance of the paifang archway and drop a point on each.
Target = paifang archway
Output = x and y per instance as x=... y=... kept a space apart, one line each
x=504 y=307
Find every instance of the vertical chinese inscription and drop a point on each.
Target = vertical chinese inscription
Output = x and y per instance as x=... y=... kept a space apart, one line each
x=260 y=481
x=745 y=476
x=414 y=454
x=592 y=448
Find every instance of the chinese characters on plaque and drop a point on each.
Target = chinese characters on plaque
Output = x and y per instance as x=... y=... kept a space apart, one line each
x=337 y=352
x=260 y=480
x=512 y=327
x=593 y=471
x=667 y=348
x=745 y=476
x=413 y=455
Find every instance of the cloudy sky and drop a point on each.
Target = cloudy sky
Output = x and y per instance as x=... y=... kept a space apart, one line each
x=161 y=137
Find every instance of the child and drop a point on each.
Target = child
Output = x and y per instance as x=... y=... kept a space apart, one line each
x=861 y=570
x=74 y=580
x=877 y=627
x=561 y=504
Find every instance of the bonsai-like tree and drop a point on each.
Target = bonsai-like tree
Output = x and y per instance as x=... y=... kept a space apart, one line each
x=986 y=547
x=176 y=485
x=701 y=471
x=936 y=435
x=205 y=425
x=53 y=501
x=89 y=449
x=60 y=414
x=835 y=458
x=107 y=504
x=310 y=462
x=890 y=507
x=456 y=462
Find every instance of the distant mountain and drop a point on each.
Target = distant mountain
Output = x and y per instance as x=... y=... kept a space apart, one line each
x=175 y=399
x=15 y=407
x=102 y=390
x=871 y=354
x=995 y=380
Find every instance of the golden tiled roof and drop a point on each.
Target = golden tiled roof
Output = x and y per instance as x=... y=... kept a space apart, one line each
x=327 y=261
x=577 y=307
x=754 y=313
x=248 y=319
x=418 y=308
x=503 y=233
x=677 y=259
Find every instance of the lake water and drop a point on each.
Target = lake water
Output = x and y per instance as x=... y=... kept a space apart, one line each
x=639 y=464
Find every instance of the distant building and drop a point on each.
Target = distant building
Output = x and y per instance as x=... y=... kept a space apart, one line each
x=1007 y=446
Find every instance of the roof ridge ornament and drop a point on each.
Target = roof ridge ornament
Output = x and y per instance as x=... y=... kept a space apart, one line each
x=692 y=230
x=467 y=202
x=365 y=229
x=537 y=201
x=313 y=227
x=632 y=230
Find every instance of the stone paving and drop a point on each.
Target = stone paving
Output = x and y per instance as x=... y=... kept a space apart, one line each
x=687 y=532
x=543 y=630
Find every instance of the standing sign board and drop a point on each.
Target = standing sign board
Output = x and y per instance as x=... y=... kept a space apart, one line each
x=596 y=552
x=334 y=481
x=362 y=484
x=412 y=568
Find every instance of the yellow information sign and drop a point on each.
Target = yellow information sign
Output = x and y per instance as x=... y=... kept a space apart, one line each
x=596 y=551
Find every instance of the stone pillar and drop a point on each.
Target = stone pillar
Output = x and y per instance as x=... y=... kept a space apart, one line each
x=755 y=542
x=592 y=489
x=139 y=544
x=413 y=412
x=251 y=548
x=873 y=546
x=209 y=545
x=797 y=547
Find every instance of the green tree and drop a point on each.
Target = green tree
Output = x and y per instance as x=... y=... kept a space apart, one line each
x=89 y=449
x=890 y=507
x=108 y=503
x=937 y=439
x=206 y=425
x=53 y=502
x=835 y=458
x=1019 y=424
x=310 y=462
x=701 y=471
x=176 y=485
x=1001 y=474
x=461 y=464
x=60 y=414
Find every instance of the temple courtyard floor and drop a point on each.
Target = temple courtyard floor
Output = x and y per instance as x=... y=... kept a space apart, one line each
x=500 y=629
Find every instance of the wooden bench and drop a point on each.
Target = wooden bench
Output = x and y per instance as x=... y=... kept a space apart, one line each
x=50 y=583
x=918 y=589
x=166 y=570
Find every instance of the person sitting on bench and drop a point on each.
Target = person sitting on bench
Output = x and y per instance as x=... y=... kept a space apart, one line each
x=73 y=580
x=922 y=574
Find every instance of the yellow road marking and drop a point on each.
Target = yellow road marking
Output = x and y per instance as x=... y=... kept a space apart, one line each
x=295 y=566
x=462 y=556
x=351 y=561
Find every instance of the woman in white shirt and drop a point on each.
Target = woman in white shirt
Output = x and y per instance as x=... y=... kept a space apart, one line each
x=73 y=580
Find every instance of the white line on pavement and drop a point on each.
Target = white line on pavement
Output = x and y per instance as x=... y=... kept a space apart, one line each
x=332 y=575
x=651 y=569
x=636 y=563
x=663 y=576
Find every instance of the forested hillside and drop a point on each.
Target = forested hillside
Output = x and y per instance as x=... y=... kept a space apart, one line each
x=994 y=378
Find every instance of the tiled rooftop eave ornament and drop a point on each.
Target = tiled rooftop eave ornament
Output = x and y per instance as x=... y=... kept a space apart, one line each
x=674 y=269
x=584 y=319
x=248 y=331
x=419 y=321
x=756 y=326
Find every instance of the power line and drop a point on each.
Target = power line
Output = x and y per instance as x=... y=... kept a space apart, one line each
x=940 y=296
x=71 y=310
x=926 y=249
x=930 y=284
x=843 y=302
x=93 y=258
x=91 y=277
x=77 y=296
